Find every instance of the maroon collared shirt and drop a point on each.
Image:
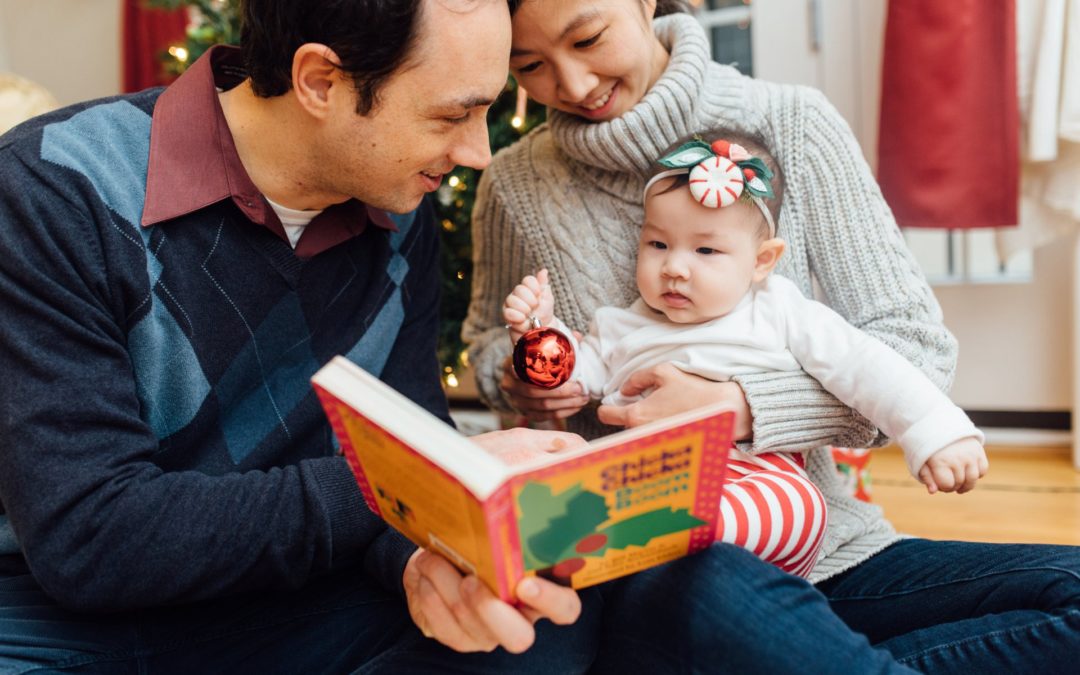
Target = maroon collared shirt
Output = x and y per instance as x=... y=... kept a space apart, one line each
x=193 y=161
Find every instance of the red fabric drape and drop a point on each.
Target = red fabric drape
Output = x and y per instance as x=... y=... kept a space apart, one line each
x=147 y=34
x=950 y=125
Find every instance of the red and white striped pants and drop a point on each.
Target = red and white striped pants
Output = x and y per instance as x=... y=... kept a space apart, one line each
x=771 y=508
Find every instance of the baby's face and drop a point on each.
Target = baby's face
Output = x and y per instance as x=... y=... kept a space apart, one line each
x=695 y=263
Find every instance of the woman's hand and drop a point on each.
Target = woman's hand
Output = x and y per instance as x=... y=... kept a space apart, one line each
x=675 y=391
x=463 y=613
x=539 y=404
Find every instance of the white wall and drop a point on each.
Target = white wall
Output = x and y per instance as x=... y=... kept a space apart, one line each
x=3 y=41
x=1015 y=339
x=71 y=47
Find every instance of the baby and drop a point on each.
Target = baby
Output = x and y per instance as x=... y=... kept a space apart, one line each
x=710 y=306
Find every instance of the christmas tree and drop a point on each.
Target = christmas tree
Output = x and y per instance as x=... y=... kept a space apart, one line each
x=218 y=22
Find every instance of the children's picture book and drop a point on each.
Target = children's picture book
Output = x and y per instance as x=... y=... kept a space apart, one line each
x=622 y=504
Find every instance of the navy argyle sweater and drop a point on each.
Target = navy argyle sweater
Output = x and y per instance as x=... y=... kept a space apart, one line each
x=159 y=438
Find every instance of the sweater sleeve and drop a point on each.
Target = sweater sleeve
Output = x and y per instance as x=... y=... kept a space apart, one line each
x=865 y=374
x=856 y=252
x=101 y=525
x=497 y=257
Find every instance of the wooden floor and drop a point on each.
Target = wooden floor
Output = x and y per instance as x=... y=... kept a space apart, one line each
x=1029 y=495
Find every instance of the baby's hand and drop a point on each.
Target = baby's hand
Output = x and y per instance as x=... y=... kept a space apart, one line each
x=532 y=297
x=955 y=468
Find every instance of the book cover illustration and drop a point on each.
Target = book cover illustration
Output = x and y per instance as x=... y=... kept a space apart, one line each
x=628 y=502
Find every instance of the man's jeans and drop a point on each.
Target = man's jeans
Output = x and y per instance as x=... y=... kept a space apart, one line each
x=339 y=624
x=1001 y=609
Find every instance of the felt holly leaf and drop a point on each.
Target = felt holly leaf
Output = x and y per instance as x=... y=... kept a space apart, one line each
x=758 y=166
x=688 y=155
x=759 y=185
x=552 y=524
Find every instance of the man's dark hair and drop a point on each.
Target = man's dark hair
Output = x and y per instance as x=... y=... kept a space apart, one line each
x=371 y=38
x=757 y=147
x=662 y=6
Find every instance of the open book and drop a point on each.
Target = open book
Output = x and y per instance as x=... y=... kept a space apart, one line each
x=624 y=503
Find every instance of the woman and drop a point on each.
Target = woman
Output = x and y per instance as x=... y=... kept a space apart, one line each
x=621 y=88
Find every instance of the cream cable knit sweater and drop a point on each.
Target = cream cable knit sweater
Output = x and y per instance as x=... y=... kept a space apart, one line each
x=568 y=197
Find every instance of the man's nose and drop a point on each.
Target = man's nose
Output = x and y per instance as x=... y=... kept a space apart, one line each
x=474 y=147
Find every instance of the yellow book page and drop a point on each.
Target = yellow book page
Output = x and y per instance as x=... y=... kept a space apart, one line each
x=418 y=498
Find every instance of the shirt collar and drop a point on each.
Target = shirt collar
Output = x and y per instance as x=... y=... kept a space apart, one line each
x=193 y=161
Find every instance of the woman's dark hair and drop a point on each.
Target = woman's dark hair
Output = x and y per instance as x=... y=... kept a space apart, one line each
x=662 y=6
x=756 y=146
x=371 y=38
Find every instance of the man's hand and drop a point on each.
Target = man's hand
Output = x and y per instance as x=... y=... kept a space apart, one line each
x=672 y=391
x=531 y=298
x=463 y=614
x=515 y=446
x=955 y=468
x=539 y=404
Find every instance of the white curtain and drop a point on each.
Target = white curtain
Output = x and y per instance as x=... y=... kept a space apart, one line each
x=1048 y=52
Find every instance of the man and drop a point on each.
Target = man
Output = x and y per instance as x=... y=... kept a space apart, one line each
x=177 y=265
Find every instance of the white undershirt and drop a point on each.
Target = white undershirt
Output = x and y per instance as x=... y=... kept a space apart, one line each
x=292 y=220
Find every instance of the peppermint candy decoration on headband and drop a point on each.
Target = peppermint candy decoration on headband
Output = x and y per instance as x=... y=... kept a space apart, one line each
x=721 y=172
x=716 y=182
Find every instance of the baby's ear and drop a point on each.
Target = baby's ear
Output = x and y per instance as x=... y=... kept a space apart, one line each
x=768 y=254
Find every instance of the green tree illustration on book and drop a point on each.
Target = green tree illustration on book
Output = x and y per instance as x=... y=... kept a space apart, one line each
x=559 y=530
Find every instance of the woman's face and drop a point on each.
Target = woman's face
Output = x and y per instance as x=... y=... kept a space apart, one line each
x=591 y=58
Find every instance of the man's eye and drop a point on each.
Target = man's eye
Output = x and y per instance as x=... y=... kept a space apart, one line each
x=457 y=120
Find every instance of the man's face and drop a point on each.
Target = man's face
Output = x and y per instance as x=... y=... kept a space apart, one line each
x=430 y=115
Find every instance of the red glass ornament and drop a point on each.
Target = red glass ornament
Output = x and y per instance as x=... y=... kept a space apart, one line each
x=544 y=357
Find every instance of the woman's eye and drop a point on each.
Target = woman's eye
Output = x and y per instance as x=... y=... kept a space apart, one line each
x=588 y=42
x=529 y=67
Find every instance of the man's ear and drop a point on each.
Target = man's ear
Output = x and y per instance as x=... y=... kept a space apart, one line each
x=315 y=76
x=768 y=254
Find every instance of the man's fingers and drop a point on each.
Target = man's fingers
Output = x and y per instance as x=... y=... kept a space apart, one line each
x=507 y=625
x=439 y=622
x=467 y=626
x=557 y=603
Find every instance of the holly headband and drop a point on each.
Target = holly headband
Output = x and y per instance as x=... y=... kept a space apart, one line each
x=720 y=174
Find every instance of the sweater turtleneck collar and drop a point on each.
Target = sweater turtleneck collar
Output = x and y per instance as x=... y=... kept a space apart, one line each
x=668 y=112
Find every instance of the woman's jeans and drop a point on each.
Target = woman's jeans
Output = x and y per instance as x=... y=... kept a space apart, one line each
x=959 y=607
x=934 y=606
